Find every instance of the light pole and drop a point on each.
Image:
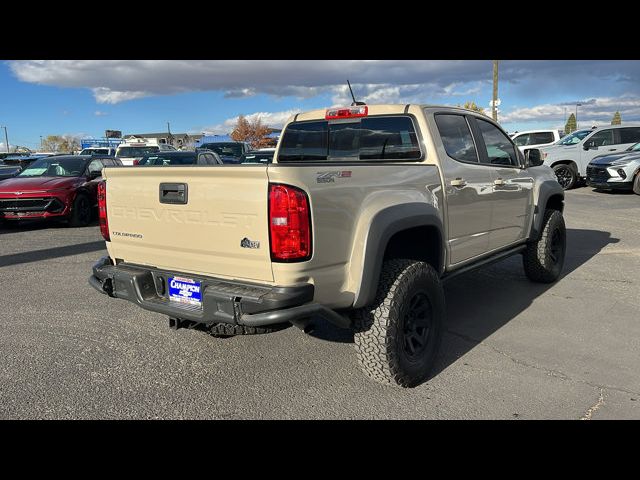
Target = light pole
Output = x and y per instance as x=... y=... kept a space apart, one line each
x=6 y=138
x=494 y=106
x=577 y=105
x=40 y=142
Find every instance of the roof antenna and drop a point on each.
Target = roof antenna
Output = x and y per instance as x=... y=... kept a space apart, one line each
x=355 y=103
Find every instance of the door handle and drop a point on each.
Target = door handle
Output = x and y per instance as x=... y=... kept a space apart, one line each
x=458 y=182
x=612 y=149
x=499 y=181
x=174 y=193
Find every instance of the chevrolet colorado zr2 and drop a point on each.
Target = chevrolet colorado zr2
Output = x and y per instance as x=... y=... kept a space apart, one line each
x=363 y=214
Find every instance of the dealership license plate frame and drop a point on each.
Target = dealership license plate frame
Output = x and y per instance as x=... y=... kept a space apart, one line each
x=185 y=292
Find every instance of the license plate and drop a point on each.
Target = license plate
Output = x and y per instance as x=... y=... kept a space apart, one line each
x=185 y=291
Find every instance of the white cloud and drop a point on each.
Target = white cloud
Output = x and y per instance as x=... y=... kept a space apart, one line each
x=270 y=119
x=114 y=81
x=105 y=95
x=592 y=111
x=424 y=81
x=99 y=113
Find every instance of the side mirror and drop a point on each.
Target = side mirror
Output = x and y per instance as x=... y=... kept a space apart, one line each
x=95 y=174
x=533 y=157
x=590 y=144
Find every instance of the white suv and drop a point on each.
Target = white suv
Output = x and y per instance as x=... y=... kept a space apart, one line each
x=571 y=155
x=535 y=138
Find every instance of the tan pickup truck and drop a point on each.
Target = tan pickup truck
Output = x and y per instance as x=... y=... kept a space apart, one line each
x=365 y=211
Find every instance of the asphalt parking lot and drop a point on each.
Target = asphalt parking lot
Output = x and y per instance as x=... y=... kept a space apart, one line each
x=513 y=349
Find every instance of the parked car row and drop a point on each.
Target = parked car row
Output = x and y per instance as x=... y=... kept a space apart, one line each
x=606 y=158
x=63 y=187
x=572 y=155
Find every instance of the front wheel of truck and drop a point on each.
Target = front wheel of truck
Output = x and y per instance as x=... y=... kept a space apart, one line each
x=398 y=337
x=543 y=259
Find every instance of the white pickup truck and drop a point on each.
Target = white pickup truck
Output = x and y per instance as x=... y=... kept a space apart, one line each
x=535 y=138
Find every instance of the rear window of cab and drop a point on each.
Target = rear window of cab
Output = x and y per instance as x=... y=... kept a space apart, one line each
x=379 y=138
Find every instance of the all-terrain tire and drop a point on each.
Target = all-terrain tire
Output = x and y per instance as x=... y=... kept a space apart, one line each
x=226 y=330
x=543 y=259
x=80 y=211
x=567 y=175
x=636 y=184
x=398 y=337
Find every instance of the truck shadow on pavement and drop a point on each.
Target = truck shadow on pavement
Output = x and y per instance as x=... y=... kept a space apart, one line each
x=481 y=302
x=49 y=253
x=19 y=226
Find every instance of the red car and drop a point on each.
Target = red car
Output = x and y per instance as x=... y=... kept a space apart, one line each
x=62 y=187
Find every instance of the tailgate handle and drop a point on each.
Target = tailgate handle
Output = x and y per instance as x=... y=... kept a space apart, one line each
x=173 y=193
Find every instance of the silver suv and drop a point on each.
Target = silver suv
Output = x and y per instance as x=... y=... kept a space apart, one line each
x=617 y=171
x=571 y=155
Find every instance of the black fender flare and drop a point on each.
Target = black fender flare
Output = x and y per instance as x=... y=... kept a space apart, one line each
x=547 y=189
x=386 y=223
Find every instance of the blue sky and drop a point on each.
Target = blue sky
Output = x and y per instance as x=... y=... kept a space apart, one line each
x=86 y=97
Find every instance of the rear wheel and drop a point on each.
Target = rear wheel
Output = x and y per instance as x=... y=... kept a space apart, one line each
x=397 y=338
x=636 y=184
x=543 y=260
x=567 y=175
x=80 y=211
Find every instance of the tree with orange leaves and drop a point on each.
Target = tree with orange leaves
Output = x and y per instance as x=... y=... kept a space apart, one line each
x=252 y=131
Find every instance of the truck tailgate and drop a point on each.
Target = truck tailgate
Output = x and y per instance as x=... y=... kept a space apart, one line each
x=224 y=205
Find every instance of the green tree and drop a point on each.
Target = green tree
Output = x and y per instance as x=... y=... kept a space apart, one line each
x=472 y=106
x=570 y=126
x=617 y=119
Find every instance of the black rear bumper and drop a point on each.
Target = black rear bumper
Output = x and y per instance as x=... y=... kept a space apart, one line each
x=223 y=301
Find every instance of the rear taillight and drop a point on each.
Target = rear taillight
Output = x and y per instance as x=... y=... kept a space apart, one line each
x=347 y=112
x=136 y=161
x=289 y=223
x=102 y=210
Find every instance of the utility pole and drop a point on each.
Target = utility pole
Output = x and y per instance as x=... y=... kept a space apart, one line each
x=40 y=142
x=494 y=106
x=577 y=105
x=169 y=138
x=6 y=138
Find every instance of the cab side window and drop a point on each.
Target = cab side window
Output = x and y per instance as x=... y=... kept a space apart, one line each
x=498 y=147
x=629 y=135
x=541 y=137
x=456 y=137
x=601 y=139
x=522 y=140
